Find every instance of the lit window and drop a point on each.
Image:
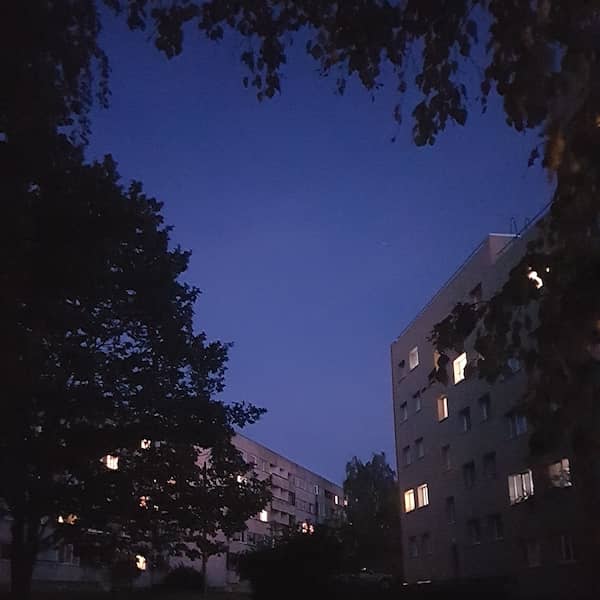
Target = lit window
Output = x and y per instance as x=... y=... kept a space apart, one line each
x=68 y=519
x=517 y=424
x=111 y=462
x=566 y=548
x=474 y=531
x=144 y=501
x=406 y=456
x=420 y=448
x=418 y=403
x=345 y=501
x=422 y=495
x=442 y=406
x=413 y=547
x=403 y=411
x=533 y=275
x=336 y=499
x=484 y=407
x=533 y=554
x=145 y=444
x=465 y=419
x=241 y=479
x=560 y=473
x=316 y=490
x=413 y=358
x=520 y=486
x=446 y=462
x=140 y=562
x=409 y=500
x=459 y=364
x=263 y=516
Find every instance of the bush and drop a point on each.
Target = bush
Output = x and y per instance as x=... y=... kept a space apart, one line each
x=183 y=578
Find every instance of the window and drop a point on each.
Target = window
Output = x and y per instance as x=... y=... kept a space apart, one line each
x=533 y=554
x=253 y=460
x=413 y=358
x=465 y=419
x=442 y=406
x=474 y=531
x=420 y=448
x=418 y=403
x=565 y=548
x=489 y=465
x=111 y=462
x=560 y=473
x=65 y=553
x=495 y=528
x=484 y=407
x=450 y=510
x=145 y=444
x=422 y=495
x=520 y=486
x=469 y=474
x=140 y=562
x=336 y=499
x=413 y=547
x=459 y=364
x=447 y=465
x=263 y=516
x=406 y=456
x=426 y=544
x=316 y=490
x=409 y=500
x=517 y=424
x=292 y=498
x=404 y=411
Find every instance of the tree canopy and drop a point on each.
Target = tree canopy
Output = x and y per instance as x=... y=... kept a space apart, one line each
x=372 y=514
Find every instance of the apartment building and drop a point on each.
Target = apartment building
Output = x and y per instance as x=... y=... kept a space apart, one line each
x=475 y=503
x=301 y=500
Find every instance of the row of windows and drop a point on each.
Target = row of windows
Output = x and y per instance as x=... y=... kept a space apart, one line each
x=520 y=485
x=458 y=364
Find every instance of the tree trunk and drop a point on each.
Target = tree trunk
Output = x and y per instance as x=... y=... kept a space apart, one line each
x=203 y=571
x=22 y=558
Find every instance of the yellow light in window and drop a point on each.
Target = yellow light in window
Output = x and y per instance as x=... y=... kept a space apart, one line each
x=140 y=562
x=111 y=462
x=145 y=444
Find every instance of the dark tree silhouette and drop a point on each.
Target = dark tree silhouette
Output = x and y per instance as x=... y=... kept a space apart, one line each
x=372 y=529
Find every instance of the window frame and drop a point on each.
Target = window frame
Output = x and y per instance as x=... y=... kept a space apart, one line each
x=413 y=358
x=485 y=403
x=466 y=422
x=458 y=368
x=443 y=402
x=521 y=478
x=446 y=458
x=406 y=456
x=420 y=448
x=469 y=468
x=409 y=494
x=422 y=495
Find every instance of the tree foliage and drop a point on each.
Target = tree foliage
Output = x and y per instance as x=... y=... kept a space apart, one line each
x=372 y=531
x=99 y=353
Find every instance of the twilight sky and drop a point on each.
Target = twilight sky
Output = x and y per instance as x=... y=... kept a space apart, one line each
x=315 y=239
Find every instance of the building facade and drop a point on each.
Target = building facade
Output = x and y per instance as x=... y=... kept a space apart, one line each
x=475 y=503
x=301 y=500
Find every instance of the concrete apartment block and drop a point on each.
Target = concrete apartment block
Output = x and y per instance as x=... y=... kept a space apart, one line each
x=480 y=506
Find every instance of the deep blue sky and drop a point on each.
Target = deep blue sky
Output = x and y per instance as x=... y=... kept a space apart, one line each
x=315 y=239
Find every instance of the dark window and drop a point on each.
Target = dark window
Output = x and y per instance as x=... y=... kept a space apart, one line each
x=565 y=548
x=465 y=418
x=489 y=465
x=413 y=547
x=446 y=461
x=420 y=448
x=292 y=498
x=406 y=456
x=495 y=528
x=533 y=553
x=450 y=510
x=517 y=424
x=484 y=407
x=426 y=544
x=474 y=531
x=469 y=474
x=404 y=411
